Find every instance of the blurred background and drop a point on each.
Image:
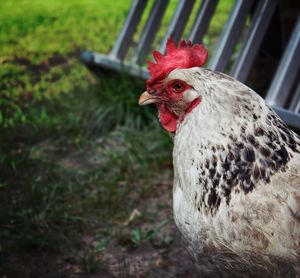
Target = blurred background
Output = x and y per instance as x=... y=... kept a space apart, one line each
x=85 y=173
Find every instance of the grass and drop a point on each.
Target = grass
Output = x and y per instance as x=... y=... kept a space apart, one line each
x=40 y=43
x=77 y=154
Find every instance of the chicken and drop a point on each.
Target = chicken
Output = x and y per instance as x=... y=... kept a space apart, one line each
x=236 y=191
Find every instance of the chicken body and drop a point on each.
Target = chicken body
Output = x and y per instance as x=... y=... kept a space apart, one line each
x=236 y=193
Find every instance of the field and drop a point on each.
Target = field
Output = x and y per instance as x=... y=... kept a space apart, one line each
x=86 y=174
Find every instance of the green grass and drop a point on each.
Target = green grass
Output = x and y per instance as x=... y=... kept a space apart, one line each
x=77 y=154
x=40 y=42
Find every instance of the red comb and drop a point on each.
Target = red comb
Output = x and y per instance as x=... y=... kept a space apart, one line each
x=184 y=56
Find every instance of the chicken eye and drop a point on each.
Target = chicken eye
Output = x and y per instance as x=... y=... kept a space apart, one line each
x=177 y=86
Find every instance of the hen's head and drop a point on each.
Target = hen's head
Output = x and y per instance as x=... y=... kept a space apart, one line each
x=171 y=88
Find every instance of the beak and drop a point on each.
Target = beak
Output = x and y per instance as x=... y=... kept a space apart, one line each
x=146 y=98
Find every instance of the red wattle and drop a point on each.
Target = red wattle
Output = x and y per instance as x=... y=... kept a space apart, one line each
x=167 y=119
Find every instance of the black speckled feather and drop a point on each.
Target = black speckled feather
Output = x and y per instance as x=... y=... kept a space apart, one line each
x=253 y=157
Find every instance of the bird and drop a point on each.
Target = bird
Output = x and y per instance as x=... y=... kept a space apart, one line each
x=236 y=188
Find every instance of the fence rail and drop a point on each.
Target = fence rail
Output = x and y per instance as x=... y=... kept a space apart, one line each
x=284 y=89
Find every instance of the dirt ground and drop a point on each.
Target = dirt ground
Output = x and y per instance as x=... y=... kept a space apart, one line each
x=162 y=256
x=153 y=250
